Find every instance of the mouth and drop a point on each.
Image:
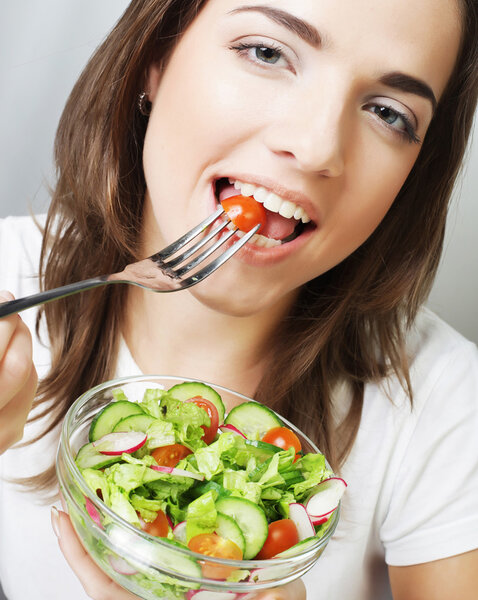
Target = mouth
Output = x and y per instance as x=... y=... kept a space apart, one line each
x=286 y=220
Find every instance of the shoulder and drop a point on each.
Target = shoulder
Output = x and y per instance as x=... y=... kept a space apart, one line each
x=20 y=246
x=438 y=354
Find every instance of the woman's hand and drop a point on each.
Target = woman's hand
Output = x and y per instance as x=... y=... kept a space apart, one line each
x=18 y=377
x=96 y=584
x=99 y=586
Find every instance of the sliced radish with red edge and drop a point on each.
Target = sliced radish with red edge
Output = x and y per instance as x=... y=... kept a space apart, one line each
x=93 y=512
x=231 y=429
x=119 y=442
x=179 y=532
x=299 y=515
x=119 y=565
x=326 y=498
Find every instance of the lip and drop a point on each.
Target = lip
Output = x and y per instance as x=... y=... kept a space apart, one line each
x=271 y=185
x=258 y=256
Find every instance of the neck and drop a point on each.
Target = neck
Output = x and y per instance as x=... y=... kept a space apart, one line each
x=174 y=334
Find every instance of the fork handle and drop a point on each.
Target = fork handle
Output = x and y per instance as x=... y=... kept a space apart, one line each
x=15 y=306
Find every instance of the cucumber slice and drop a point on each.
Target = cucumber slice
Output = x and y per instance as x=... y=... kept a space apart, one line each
x=261 y=451
x=191 y=389
x=227 y=528
x=253 y=419
x=88 y=457
x=206 y=486
x=250 y=518
x=134 y=423
x=301 y=546
x=154 y=554
x=106 y=420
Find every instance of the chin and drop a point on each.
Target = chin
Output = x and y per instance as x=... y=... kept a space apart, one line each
x=222 y=293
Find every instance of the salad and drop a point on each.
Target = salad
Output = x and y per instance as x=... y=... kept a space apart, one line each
x=235 y=486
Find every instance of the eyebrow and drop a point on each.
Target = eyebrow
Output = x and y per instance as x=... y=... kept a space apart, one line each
x=301 y=28
x=411 y=85
x=397 y=80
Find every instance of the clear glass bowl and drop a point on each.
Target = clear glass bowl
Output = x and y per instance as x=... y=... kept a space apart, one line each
x=145 y=565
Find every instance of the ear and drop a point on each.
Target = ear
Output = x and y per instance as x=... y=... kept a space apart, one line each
x=153 y=79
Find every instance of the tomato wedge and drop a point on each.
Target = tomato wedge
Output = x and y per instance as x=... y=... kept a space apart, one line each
x=282 y=535
x=208 y=406
x=212 y=544
x=159 y=527
x=245 y=212
x=284 y=438
x=169 y=456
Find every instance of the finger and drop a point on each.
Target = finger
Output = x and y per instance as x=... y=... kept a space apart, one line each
x=7 y=324
x=96 y=584
x=292 y=591
x=16 y=363
x=14 y=415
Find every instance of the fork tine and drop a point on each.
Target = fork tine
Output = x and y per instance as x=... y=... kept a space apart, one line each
x=204 y=254
x=197 y=246
x=187 y=237
x=215 y=264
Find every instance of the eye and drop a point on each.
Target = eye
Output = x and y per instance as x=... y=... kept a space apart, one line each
x=263 y=54
x=398 y=121
x=267 y=55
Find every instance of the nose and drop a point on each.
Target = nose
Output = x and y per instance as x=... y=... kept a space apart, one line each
x=309 y=132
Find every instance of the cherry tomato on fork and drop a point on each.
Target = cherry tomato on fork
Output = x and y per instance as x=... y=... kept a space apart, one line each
x=284 y=438
x=245 y=212
x=169 y=456
x=209 y=432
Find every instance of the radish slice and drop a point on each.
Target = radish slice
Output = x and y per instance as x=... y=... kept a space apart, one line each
x=93 y=512
x=298 y=514
x=118 y=442
x=209 y=595
x=326 y=498
x=121 y=566
x=319 y=520
x=179 y=532
x=231 y=429
x=178 y=472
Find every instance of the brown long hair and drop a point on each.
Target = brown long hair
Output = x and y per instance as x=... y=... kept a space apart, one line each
x=347 y=325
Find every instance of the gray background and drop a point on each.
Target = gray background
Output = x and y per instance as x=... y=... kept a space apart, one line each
x=43 y=47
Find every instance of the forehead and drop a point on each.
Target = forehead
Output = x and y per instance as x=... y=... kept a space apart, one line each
x=421 y=37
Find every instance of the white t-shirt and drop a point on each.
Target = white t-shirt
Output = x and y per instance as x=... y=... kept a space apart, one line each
x=412 y=474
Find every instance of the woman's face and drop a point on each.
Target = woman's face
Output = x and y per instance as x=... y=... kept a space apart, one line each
x=318 y=103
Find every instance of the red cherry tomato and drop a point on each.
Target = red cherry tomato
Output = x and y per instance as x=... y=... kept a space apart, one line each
x=159 y=527
x=282 y=535
x=212 y=544
x=284 y=438
x=244 y=212
x=208 y=406
x=169 y=456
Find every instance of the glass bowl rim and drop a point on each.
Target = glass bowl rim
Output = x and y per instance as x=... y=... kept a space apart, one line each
x=64 y=451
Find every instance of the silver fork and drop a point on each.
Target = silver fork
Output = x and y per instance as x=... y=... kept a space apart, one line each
x=161 y=272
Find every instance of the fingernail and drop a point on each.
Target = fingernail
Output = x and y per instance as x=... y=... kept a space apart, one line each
x=6 y=295
x=55 y=520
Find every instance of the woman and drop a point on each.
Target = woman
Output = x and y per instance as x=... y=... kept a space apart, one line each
x=357 y=113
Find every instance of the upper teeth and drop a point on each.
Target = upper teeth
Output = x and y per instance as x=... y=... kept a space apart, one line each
x=272 y=201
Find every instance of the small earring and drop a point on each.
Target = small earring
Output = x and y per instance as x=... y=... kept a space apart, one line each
x=144 y=105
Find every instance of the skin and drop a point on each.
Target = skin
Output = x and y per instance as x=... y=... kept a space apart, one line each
x=307 y=126
x=18 y=376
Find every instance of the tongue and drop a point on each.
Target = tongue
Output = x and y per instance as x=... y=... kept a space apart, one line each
x=276 y=227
